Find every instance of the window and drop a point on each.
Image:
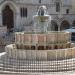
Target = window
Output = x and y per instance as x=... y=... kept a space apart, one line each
x=23 y=12
x=57 y=6
x=39 y=1
x=67 y=11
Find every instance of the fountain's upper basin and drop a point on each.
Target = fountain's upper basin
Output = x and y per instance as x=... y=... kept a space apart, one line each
x=53 y=39
x=42 y=18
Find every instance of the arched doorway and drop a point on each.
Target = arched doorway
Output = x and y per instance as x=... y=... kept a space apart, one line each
x=8 y=17
x=54 y=26
x=73 y=24
x=64 y=25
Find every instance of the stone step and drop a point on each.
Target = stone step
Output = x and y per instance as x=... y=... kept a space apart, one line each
x=36 y=66
x=58 y=62
x=56 y=65
x=35 y=69
x=43 y=63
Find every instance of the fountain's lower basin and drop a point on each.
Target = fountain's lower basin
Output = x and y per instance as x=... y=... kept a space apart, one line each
x=54 y=54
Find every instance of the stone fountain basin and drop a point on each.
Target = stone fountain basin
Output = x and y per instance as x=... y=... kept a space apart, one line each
x=42 y=18
x=13 y=52
x=49 y=38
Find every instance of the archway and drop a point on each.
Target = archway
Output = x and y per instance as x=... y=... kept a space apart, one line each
x=64 y=25
x=54 y=26
x=8 y=17
x=73 y=24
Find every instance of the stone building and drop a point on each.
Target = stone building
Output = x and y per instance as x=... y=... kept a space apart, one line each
x=18 y=14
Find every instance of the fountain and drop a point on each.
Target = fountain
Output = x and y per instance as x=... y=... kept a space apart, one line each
x=47 y=49
x=40 y=40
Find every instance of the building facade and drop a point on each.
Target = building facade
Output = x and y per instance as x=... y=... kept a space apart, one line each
x=18 y=14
